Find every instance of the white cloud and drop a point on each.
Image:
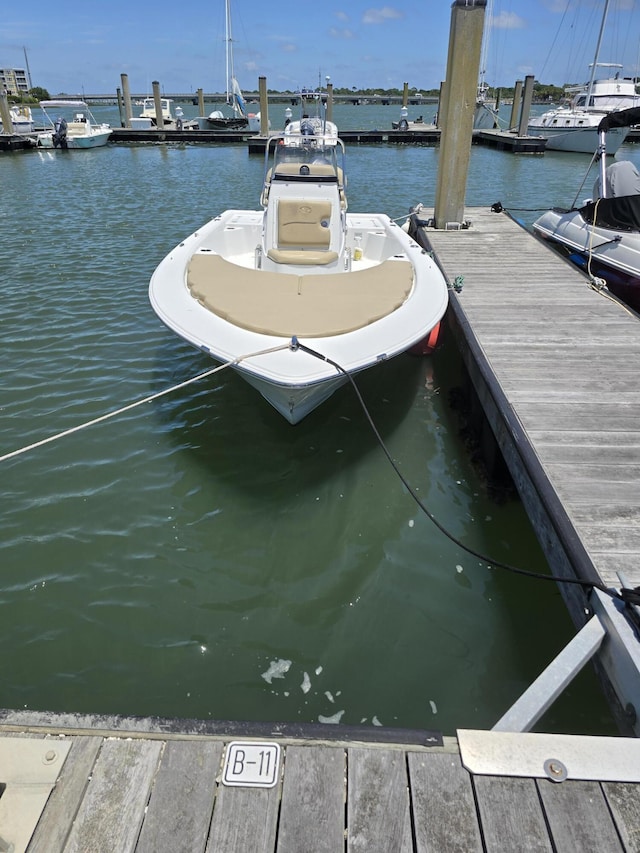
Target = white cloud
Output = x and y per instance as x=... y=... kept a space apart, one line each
x=336 y=33
x=507 y=21
x=379 y=16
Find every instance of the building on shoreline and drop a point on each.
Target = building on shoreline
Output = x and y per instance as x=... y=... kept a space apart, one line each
x=14 y=81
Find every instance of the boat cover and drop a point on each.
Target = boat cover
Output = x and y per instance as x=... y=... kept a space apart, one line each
x=621 y=118
x=621 y=178
x=617 y=214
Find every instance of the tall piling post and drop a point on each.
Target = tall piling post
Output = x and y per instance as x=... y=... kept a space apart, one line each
x=157 y=102
x=201 y=103
x=404 y=111
x=5 y=114
x=515 y=106
x=527 y=97
x=264 y=106
x=126 y=96
x=463 y=69
x=329 y=101
x=442 y=96
x=120 y=106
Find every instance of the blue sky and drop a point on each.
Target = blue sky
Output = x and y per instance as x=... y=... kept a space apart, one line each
x=77 y=47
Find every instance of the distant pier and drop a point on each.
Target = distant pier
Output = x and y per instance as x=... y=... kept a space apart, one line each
x=428 y=135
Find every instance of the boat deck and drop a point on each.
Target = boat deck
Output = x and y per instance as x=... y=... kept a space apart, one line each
x=133 y=787
x=558 y=365
x=284 y=305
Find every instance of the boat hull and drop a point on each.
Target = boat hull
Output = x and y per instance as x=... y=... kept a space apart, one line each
x=227 y=123
x=291 y=379
x=293 y=402
x=95 y=140
x=613 y=255
x=578 y=140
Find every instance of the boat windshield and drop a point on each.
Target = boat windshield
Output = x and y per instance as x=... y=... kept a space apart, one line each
x=294 y=158
x=311 y=164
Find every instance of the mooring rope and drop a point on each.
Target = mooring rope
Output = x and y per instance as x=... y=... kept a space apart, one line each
x=149 y=399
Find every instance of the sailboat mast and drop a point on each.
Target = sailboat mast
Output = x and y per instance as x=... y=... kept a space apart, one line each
x=229 y=41
x=485 y=44
x=597 y=56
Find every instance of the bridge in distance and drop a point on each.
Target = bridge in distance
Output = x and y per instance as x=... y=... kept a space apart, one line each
x=274 y=98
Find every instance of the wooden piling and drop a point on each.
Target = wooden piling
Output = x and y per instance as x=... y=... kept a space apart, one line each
x=264 y=106
x=527 y=97
x=126 y=96
x=515 y=106
x=5 y=114
x=157 y=102
x=463 y=68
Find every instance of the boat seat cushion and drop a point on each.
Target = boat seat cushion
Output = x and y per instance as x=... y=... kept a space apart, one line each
x=287 y=304
x=302 y=257
x=303 y=223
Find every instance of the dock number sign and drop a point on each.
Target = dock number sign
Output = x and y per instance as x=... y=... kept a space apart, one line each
x=251 y=764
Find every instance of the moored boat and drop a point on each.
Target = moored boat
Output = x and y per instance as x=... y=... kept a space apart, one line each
x=238 y=119
x=78 y=132
x=21 y=119
x=602 y=235
x=300 y=294
x=575 y=128
x=149 y=113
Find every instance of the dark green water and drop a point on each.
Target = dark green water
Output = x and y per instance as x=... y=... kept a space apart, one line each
x=171 y=560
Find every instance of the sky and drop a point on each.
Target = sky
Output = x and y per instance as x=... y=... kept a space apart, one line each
x=79 y=48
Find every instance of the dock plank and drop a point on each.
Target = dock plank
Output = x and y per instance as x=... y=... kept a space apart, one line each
x=112 y=810
x=179 y=811
x=378 y=818
x=63 y=804
x=444 y=811
x=244 y=819
x=510 y=815
x=312 y=813
x=624 y=802
x=578 y=816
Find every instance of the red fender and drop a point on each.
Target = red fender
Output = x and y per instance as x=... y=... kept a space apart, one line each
x=427 y=345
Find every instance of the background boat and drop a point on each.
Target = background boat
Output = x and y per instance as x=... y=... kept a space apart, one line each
x=21 y=118
x=79 y=131
x=218 y=119
x=575 y=128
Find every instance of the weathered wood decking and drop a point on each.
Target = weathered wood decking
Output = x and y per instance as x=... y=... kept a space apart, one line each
x=150 y=792
x=556 y=365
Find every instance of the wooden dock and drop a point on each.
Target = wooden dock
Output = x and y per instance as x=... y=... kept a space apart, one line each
x=133 y=787
x=16 y=142
x=427 y=135
x=556 y=365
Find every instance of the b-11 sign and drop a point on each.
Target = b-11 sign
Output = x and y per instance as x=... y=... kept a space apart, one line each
x=251 y=764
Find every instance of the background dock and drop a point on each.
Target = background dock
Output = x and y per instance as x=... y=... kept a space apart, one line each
x=428 y=135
